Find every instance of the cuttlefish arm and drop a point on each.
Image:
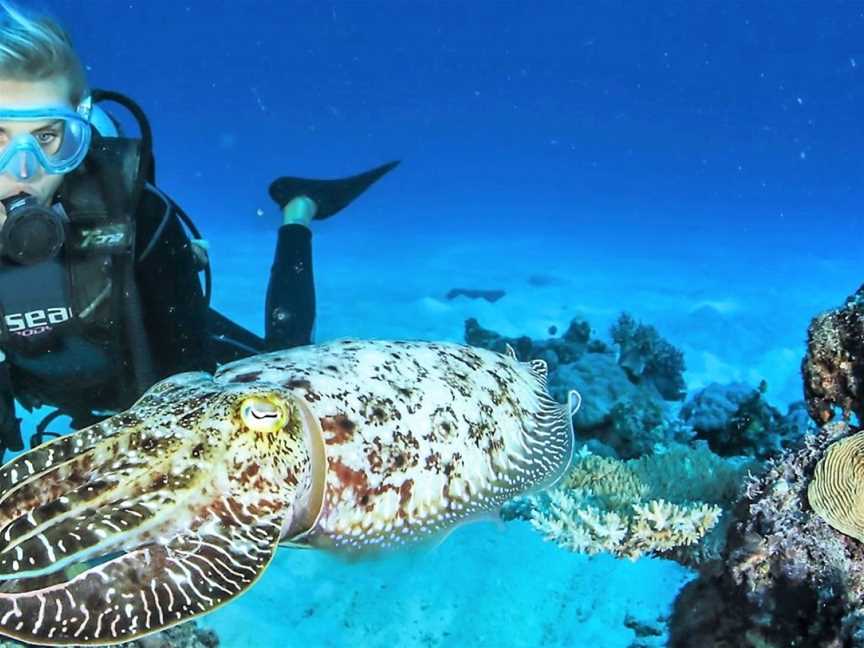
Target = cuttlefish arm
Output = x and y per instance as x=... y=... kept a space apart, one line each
x=149 y=588
x=151 y=517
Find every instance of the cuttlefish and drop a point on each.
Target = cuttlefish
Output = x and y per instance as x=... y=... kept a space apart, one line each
x=177 y=505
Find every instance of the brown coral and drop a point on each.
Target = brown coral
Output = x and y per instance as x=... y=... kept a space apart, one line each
x=838 y=486
x=834 y=365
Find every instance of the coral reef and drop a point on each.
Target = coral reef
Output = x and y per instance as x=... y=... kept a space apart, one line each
x=647 y=357
x=631 y=420
x=652 y=505
x=570 y=346
x=834 y=364
x=785 y=577
x=789 y=575
x=735 y=419
x=624 y=409
x=185 y=635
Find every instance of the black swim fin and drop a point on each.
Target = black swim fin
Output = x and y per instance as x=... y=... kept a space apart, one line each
x=330 y=196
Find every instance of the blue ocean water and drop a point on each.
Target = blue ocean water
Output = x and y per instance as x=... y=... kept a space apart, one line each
x=715 y=123
x=665 y=158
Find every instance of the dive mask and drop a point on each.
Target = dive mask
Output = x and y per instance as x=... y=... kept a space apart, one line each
x=58 y=147
x=32 y=233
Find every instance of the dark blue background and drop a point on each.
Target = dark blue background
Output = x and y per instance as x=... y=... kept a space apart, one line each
x=741 y=119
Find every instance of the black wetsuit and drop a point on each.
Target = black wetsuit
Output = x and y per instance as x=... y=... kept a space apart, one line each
x=181 y=332
x=184 y=334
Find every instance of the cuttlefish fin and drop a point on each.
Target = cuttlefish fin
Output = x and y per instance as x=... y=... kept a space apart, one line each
x=540 y=370
x=150 y=588
x=510 y=352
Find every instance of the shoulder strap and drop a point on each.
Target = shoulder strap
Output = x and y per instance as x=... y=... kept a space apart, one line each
x=101 y=195
x=100 y=199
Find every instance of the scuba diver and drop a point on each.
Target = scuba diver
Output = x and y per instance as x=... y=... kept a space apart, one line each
x=100 y=287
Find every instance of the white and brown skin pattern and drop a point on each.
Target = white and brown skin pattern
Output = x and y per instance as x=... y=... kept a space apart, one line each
x=176 y=506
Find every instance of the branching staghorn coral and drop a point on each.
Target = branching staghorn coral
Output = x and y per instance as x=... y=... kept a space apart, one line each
x=631 y=508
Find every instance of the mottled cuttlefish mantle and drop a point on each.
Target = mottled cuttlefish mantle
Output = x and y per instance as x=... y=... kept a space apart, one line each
x=176 y=506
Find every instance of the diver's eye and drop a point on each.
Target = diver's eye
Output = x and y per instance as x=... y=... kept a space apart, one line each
x=49 y=141
x=262 y=415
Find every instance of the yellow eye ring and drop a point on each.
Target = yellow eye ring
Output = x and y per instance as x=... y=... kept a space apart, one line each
x=262 y=414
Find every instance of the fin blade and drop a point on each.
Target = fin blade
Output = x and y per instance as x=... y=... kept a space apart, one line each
x=554 y=441
x=540 y=370
x=330 y=196
x=574 y=402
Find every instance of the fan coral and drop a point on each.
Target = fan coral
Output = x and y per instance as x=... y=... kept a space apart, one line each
x=647 y=506
x=838 y=484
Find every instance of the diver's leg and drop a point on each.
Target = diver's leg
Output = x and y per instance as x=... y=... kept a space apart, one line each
x=290 y=309
x=290 y=312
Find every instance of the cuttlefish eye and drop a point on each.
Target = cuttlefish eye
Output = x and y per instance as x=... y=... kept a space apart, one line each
x=263 y=415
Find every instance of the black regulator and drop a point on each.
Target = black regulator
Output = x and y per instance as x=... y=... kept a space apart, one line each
x=32 y=233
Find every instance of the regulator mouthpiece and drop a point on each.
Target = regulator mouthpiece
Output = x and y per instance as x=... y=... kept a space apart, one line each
x=32 y=233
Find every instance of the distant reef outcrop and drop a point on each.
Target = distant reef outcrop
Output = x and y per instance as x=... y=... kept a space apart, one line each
x=656 y=473
x=791 y=569
x=766 y=506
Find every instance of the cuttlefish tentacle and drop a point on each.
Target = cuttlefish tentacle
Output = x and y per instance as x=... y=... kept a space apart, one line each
x=176 y=506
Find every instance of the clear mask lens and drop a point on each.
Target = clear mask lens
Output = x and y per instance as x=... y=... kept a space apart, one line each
x=50 y=140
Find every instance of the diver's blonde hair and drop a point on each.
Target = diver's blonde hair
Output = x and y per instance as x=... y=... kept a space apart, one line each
x=37 y=48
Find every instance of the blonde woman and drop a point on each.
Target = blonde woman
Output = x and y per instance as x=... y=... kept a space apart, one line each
x=99 y=280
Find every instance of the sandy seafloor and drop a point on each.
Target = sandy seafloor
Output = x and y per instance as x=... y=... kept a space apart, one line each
x=738 y=315
x=486 y=584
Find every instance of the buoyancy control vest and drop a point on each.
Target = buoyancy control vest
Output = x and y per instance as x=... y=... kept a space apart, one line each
x=71 y=326
x=68 y=327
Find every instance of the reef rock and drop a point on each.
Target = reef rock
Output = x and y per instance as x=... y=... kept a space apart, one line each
x=625 y=392
x=735 y=419
x=785 y=577
x=834 y=364
x=476 y=293
x=647 y=357
x=571 y=345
